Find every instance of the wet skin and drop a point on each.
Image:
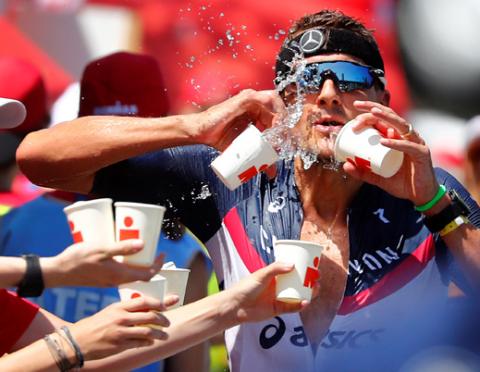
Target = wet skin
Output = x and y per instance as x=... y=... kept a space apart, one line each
x=325 y=194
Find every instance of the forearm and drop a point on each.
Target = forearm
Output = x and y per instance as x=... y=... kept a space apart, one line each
x=30 y=352
x=82 y=146
x=35 y=358
x=190 y=325
x=464 y=245
x=200 y=321
x=12 y=270
x=195 y=358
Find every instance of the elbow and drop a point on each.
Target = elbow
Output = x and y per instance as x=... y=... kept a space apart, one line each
x=33 y=159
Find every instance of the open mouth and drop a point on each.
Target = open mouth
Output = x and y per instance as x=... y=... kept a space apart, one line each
x=328 y=126
x=330 y=123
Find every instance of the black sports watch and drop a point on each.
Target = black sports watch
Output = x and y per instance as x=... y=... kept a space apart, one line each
x=455 y=209
x=32 y=283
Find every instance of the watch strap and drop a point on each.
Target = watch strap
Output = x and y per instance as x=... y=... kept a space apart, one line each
x=455 y=209
x=31 y=284
x=453 y=225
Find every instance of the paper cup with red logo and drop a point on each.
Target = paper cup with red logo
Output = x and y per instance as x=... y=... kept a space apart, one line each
x=246 y=156
x=139 y=221
x=366 y=152
x=155 y=288
x=297 y=285
x=91 y=221
x=177 y=279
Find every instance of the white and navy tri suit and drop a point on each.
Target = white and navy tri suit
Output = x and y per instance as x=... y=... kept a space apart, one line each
x=396 y=264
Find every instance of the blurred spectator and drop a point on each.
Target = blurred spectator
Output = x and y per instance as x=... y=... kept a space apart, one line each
x=444 y=133
x=15 y=44
x=22 y=81
x=119 y=84
x=472 y=157
x=441 y=53
x=217 y=50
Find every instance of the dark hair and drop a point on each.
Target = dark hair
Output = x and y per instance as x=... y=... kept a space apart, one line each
x=339 y=34
x=331 y=19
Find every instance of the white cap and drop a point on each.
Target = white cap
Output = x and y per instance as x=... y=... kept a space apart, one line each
x=12 y=113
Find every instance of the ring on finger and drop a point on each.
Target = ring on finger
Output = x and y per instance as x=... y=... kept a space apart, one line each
x=409 y=132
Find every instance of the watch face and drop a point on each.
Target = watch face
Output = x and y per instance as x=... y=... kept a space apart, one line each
x=458 y=203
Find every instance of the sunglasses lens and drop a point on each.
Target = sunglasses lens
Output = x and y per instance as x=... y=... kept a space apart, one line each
x=347 y=75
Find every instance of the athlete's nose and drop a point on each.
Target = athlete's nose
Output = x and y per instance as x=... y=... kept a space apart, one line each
x=329 y=94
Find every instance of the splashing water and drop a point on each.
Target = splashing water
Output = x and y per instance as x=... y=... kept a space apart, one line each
x=283 y=136
x=204 y=193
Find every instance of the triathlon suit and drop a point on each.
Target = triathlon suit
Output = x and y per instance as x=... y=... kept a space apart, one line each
x=395 y=265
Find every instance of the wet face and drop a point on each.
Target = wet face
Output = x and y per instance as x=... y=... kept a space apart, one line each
x=326 y=111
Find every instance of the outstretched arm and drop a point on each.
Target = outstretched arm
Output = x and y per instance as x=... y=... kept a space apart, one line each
x=119 y=326
x=250 y=300
x=116 y=328
x=67 y=156
x=82 y=265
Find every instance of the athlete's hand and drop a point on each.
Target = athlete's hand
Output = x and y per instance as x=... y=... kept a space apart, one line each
x=415 y=180
x=85 y=265
x=221 y=124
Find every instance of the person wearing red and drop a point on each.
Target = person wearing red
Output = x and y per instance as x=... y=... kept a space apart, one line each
x=16 y=315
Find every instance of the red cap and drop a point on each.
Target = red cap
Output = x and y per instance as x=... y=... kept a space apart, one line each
x=22 y=81
x=123 y=84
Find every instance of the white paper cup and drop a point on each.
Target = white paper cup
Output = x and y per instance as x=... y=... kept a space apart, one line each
x=139 y=221
x=91 y=221
x=12 y=113
x=297 y=285
x=177 y=280
x=366 y=152
x=155 y=288
x=246 y=156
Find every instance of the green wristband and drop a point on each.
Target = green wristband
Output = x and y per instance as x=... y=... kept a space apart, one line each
x=442 y=190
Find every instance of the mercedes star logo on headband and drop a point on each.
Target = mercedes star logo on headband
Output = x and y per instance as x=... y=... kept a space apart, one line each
x=311 y=41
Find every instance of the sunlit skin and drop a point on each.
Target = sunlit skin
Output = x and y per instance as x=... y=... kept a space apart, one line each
x=326 y=194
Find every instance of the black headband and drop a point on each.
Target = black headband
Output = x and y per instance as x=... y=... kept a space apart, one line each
x=322 y=41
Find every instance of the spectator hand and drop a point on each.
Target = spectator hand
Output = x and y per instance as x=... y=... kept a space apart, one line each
x=254 y=296
x=86 y=265
x=121 y=326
